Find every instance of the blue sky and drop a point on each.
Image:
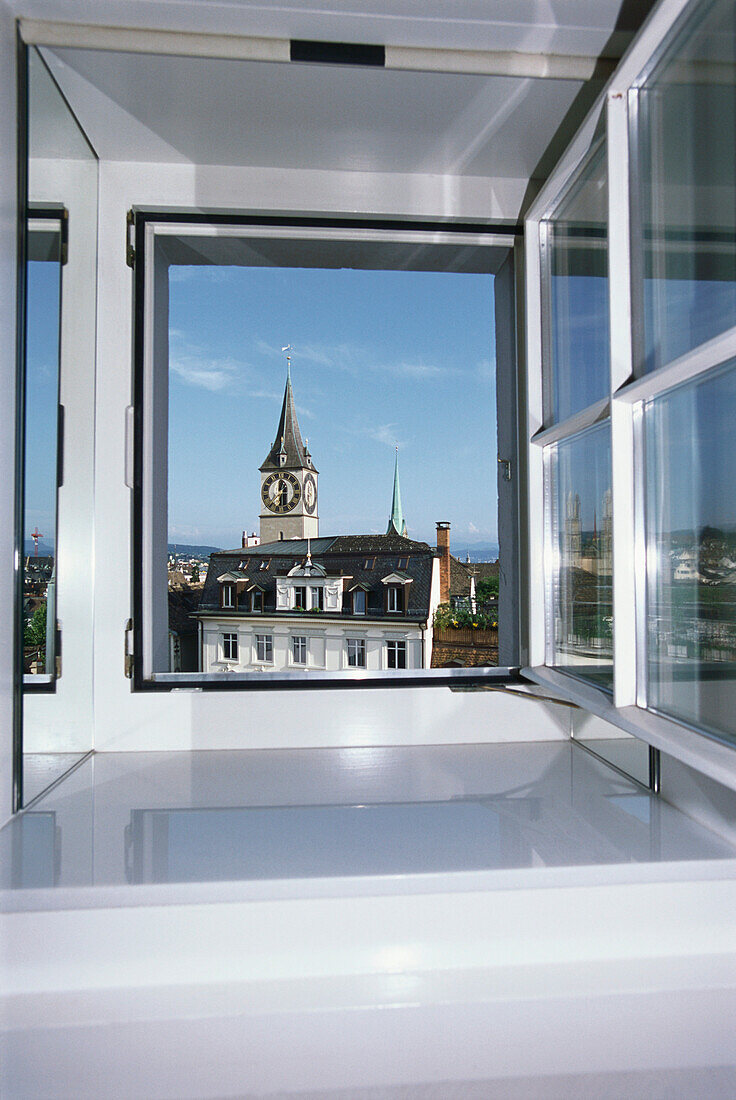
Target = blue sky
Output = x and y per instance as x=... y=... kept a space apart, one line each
x=379 y=359
x=42 y=395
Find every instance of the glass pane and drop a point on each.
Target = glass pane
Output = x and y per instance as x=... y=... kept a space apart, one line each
x=687 y=120
x=577 y=295
x=581 y=604
x=43 y=313
x=691 y=532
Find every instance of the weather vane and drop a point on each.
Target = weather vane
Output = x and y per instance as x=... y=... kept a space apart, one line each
x=288 y=359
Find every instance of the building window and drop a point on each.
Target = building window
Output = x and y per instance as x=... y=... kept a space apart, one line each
x=403 y=563
x=356 y=652
x=265 y=563
x=369 y=563
x=300 y=597
x=359 y=601
x=394 y=598
x=256 y=600
x=230 y=647
x=299 y=649
x=264 y=648
x=316 y=598
x=395 y=654
x=228 y=596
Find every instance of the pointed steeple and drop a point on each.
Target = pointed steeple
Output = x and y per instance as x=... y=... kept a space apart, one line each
x=288 y=450
x=396 y=523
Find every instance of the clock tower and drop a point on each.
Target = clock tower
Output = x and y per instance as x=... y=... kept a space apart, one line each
x=288 y=480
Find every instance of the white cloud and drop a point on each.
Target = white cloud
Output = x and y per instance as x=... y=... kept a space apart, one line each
x=208 y=374
x=384 y=433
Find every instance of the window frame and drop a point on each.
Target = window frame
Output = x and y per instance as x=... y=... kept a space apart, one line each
x=303 y=643
x=361 y=650
x=627 y=709
x=145 y=223
x=230 y=640
x=264 y=641
x=399 y=646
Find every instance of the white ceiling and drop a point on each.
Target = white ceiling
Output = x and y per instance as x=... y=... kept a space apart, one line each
x=143 y=107
x=151 y=108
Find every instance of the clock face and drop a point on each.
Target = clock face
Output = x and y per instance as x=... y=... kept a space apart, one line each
x=310 y=494
x=281 y=492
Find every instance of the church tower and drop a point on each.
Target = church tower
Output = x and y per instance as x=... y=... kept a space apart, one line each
x=288 y=480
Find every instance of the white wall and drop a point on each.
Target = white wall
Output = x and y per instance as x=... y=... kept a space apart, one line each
x=184 y=718
x=8 y=215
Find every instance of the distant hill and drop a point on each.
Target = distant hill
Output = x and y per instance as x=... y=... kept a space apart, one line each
x=45 y=549
x=185 y=550
x=478 y=551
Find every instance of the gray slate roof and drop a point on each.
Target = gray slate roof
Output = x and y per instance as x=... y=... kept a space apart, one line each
x=345 y=555
x=288 y=431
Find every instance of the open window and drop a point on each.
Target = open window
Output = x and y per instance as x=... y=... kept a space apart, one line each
x=384 y=377
x=632 y=398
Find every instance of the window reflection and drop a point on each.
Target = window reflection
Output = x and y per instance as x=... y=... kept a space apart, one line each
x=691 y=531
x=582 y=558
x=577 y=292
x=687 y=119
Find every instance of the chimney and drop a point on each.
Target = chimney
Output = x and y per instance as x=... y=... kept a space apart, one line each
x=443 y=546
x=245 y=540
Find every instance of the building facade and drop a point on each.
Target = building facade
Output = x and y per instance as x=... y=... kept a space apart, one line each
x=328 y=604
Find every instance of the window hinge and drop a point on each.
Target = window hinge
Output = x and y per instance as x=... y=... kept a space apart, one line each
x=128 y=650
x=505 y=464
x=129 y=238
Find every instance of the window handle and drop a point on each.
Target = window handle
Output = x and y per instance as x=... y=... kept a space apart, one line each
x=505 y=464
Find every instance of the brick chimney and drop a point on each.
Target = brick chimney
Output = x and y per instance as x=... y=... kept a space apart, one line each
x=443 y=546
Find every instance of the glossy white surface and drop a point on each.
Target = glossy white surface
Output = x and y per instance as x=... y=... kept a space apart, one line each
x=198 y=817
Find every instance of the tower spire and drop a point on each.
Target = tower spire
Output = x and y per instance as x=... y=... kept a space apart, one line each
x=288 y=450
x=396 y=522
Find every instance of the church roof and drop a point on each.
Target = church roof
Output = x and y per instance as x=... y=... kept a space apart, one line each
x=288 y=439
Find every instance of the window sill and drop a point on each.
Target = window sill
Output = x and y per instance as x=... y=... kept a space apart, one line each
x=700 y=751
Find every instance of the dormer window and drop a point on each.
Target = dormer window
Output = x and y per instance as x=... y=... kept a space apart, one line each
x=256 y=600
x=394 y=598
x=359 y=601
x=300 y=597
x=227 y=596
x=265 y=563
x=316 y=598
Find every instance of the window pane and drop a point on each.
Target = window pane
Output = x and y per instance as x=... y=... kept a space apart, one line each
x=577 y=358
x=691 y=536
x=687 y=113
x=582 y=566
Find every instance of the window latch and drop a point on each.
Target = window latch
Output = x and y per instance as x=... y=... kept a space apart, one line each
x=129 y=238
x=128 y=664
x=505 y=464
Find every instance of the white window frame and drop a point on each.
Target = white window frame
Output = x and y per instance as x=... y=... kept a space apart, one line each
x=359 y=592
x=627 y=708
x=360 y=649
x=228 y=589
x=300 y=641
x=229 y=641
x=147 y=440
x=263 y=642
x=392 y=597
x=395 y=643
